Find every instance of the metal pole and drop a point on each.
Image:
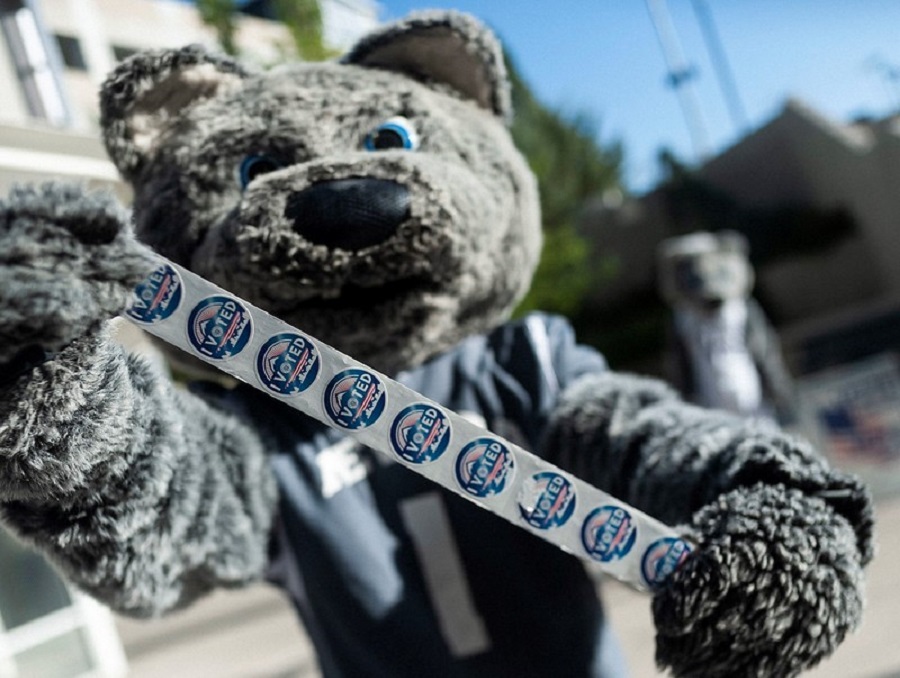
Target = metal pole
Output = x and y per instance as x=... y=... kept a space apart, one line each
x=720 y=63
x=680 y=75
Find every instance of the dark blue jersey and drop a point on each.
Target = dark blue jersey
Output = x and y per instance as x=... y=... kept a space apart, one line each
x=394 y=576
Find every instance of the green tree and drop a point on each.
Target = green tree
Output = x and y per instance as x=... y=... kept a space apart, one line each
x=571 y=167
x=219 y=15
x=303 y=19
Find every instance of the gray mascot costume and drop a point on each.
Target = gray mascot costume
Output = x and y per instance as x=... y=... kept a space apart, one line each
x=723 y=352
x=377 y=203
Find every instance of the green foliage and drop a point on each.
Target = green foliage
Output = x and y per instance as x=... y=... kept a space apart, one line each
x=219 y=15
x=571 y=167
x=564 y=155
x=563 y=274
x=303 y=19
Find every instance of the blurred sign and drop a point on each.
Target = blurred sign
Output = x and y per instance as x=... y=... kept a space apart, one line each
x=853 y=413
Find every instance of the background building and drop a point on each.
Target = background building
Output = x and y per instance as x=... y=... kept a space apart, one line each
x=56 y=53
x=819 y=202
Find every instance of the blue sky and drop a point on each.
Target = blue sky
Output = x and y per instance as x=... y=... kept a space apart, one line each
x=602 y=57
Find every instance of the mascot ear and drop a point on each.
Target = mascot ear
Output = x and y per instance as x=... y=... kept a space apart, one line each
x=143 y=96
x=450 y=48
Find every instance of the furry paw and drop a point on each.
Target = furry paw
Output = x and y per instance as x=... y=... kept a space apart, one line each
x=68 y=262
x=774 y=588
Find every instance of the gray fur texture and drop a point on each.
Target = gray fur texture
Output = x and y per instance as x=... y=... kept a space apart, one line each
x=129 y=483
x=460 y=53
x=148 y=496
x=67 y=262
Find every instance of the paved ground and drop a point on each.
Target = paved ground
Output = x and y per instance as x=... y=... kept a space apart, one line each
x=873 y=652
x=254 y=634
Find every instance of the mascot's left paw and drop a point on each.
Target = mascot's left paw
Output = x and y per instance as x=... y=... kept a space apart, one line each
x=68 y=263
x=774 y=587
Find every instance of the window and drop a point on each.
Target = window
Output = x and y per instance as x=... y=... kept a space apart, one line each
x=121 y=53
x=32 y=57
x=46 y=629
x=70 y=50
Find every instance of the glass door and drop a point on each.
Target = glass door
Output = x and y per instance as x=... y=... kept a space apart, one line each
x=47 y=630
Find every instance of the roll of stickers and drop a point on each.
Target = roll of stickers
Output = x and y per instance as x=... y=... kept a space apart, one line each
x=253 y=346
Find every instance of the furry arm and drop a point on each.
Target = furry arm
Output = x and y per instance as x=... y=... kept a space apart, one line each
x=777 y=580
x=141 y=493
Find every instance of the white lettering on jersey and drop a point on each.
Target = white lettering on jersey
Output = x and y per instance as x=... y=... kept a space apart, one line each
x=428 y=525
x=342 y=465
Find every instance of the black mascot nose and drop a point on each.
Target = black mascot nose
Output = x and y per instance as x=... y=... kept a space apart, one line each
x=349 y=214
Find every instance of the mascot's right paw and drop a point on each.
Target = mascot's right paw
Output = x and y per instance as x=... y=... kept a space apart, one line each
x=68 y=262
x=775 y=586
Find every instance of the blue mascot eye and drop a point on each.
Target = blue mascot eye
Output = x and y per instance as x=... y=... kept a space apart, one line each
x=394 y=133
x=255 y=165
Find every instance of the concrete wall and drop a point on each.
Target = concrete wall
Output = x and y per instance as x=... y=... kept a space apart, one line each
x=102 y=25
x=34 y=154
